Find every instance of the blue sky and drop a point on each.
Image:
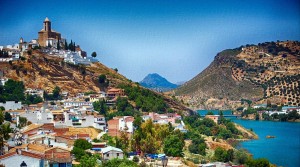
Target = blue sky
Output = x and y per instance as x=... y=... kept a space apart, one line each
x=177 y=39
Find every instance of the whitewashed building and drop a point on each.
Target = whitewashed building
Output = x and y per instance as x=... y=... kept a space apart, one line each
x=110 y=152
x=11 y=105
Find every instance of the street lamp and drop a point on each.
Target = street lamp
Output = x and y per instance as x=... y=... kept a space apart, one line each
x=164 y=161
x=23 y=164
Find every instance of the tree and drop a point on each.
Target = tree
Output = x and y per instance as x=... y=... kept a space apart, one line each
x=22 y=121
x=80 y=145
x=58 y=45
x=78 y=153
x=261 y=162
x=66 y=45
x=220 y=154
x=122 y=103
x=56 y=93
x=83 y=144
x=102 y=79
x=71 y=45
x=89 y=161
x=7 y=116
x=101 y=107
x=4 y=131
x=240 y=156
x=230 y=155
x=173 y=146
x=137 y=122
x=12 y=91
x=94 y=54
x=33 y=99
x=119 y=163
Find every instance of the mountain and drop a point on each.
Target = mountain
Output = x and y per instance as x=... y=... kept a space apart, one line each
x=257 y=73
x=42 y=71
x=156 y=82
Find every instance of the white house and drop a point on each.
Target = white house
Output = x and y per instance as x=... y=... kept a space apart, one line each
x=77 y=103
x=38 y=92
x=16 y=158
x=99 y=122
x=11 y=105
x=110 y=152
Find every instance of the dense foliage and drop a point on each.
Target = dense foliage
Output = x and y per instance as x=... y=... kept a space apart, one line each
x=119 y=162
x=80 y=145
x=7 y=117
x=33 y=99
x=12 y=91
x=145 y=99
x=222 y=155
x=239 y=157
x=156 y=138
x=173 y=145
x=208 y=127
x=55 y=94
x=4 y=131
x=101 y=107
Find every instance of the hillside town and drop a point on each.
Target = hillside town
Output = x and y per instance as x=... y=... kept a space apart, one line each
x=53 y=44
x=116 y=121
x=44 y=133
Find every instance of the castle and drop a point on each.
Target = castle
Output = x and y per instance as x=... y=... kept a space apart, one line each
x=47 y=36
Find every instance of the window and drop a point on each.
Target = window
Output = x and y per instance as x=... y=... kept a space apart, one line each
x=107 y=155
x=117 y=154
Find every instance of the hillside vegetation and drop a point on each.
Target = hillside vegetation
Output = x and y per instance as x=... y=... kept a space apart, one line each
x=42 y=71
x=255 y=72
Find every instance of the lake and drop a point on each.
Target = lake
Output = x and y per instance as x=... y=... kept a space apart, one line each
x=283 y=150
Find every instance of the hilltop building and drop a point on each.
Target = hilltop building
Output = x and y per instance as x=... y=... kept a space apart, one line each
x=47 y=35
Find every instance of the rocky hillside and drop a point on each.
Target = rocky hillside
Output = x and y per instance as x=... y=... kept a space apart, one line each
x=45 y=72
x=42 y=71
x=255 y=72
x=157 y=83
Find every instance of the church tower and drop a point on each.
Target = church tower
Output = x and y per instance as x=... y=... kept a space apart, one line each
x=47 y=25
x=21 y=44
x=47 y=34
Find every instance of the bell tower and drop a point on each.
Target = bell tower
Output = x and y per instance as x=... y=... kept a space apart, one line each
x=47 y=25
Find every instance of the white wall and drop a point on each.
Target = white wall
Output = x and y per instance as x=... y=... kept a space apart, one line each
x=16 y=160
x=112 y=154
x=11 y=105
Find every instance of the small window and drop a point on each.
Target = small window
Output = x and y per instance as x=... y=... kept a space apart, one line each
x=117 y=154
x=107 y=155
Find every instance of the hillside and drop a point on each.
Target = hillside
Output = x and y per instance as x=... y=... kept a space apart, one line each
x=157 y=83
x=255 y=72
x=42 y=71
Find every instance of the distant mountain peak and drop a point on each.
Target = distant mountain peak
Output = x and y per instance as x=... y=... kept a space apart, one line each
x=156 y=82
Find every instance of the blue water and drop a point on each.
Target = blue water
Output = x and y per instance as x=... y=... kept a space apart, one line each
x=216 y=112
x=283 y=150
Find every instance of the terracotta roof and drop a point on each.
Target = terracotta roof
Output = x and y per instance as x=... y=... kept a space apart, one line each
x=24 y=153
x=31 y=127
x=8 y=155
x=37 y=147
x=31 y=154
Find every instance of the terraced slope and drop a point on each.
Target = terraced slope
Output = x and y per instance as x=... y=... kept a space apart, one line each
x=256 y=72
